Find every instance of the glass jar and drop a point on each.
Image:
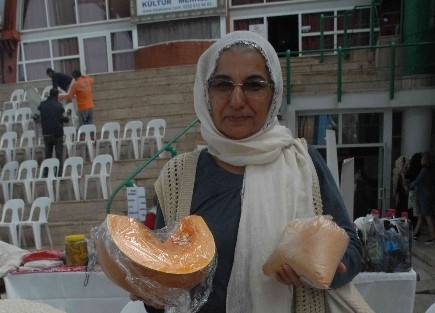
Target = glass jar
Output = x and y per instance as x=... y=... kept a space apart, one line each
x=76 y=250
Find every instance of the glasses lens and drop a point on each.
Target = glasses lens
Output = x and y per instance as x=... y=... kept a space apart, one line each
x=255 y=89
x=252 y=89
x=221 y=85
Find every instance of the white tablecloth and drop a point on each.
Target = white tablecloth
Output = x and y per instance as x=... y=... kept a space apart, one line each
x=66 y=291
x=385 y=293
x=388 y=293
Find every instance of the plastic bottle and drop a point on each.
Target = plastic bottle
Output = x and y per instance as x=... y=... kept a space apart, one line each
x=389 y=214
x=406 y=230
x=392 y=244
x=375 y=212
x=373 y=247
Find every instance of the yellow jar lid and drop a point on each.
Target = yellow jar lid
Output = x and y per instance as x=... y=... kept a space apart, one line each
x=75 y=238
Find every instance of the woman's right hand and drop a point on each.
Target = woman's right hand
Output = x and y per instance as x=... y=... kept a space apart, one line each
x=146 y=301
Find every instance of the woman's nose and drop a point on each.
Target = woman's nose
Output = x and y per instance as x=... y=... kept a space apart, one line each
x=237 y=97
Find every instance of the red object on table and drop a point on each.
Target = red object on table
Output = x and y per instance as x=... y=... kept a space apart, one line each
x=150 y=220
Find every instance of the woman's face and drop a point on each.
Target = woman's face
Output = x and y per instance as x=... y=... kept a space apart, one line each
x=240 y=111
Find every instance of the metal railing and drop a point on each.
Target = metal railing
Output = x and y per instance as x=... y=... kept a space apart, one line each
x=383 y=67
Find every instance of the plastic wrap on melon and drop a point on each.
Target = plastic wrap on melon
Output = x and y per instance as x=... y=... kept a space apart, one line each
x=312 y=247
x=171 y=268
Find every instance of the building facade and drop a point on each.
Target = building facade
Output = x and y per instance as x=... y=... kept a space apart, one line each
x=103 y=36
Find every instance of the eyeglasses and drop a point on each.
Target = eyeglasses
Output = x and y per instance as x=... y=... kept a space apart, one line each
x=253 y=89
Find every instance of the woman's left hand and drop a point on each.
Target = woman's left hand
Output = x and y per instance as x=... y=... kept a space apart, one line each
x=287 y=276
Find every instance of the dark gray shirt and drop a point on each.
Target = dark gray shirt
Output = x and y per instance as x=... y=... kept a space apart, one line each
x=51 y=112
x=216 y=197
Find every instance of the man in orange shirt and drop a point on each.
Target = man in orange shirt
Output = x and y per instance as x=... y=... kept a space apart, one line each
x=81 y=89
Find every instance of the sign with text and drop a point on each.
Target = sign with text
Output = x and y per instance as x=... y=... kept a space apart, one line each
x=136 y=203
x=145 y=7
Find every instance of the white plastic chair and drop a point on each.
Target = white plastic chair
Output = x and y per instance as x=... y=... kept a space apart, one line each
x=23 y=118
x=70 y=110
x=26 y=173
x=131 y=137
x=8 y=142
x=38 y=218
x=87 y=132
x=7 y=120
x=134 y=307
x=46 y=92
x=26 y=146
x=12 y=214
x=431 y=309
x=9 y=174
x=72 y=172
x=110 y=133
x=155 y=132
x=14 y=102
x=100 y=173
x=51 y=167
x=70 y=133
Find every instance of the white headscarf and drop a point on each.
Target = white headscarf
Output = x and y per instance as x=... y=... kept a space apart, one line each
x=277 y=183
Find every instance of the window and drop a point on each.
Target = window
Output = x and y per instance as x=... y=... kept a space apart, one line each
x=356 y=19
x=244 y=24
x=313 y=20
x=34 y=14
x=63 y=55
x=91 y=10
x=313 y=128
x=61 y=13
x=55 y=13
x=350 y=129
x=243 y=2
x=197 y=28
x=35 y=58
x=118 y=9
x=36 y=50
x=122 y=51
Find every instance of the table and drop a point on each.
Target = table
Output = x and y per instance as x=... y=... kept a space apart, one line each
x=388 y=292
x=385 y=293
x=66 y=291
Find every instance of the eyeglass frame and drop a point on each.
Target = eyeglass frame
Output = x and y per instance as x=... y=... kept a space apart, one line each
x=267 y=85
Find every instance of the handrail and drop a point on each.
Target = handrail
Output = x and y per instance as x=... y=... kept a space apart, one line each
x=167 y=147
x=340 y=53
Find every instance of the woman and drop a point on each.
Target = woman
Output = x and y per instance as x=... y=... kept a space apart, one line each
x=413 y=168
x=424 y=186
x=252 y=179
x=399 y=193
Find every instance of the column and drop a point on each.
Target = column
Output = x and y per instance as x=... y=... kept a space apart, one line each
x=416 y=130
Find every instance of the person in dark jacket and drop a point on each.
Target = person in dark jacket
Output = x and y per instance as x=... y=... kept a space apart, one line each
x=59 y=80
x=52 y=117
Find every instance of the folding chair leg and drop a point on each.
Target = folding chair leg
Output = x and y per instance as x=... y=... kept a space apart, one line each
x=21 y=236
x=76 y=190
x=49 y=235
x=103 y=184
x=37 y=236
x=13 y=235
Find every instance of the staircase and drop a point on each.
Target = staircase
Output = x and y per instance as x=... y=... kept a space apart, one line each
x=141 y=95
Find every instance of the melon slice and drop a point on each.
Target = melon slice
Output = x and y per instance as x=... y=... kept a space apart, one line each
x=147 y=266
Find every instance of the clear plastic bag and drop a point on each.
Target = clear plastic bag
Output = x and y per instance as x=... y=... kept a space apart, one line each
x=313 y=248
x=154 y=265
x=388 y=245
